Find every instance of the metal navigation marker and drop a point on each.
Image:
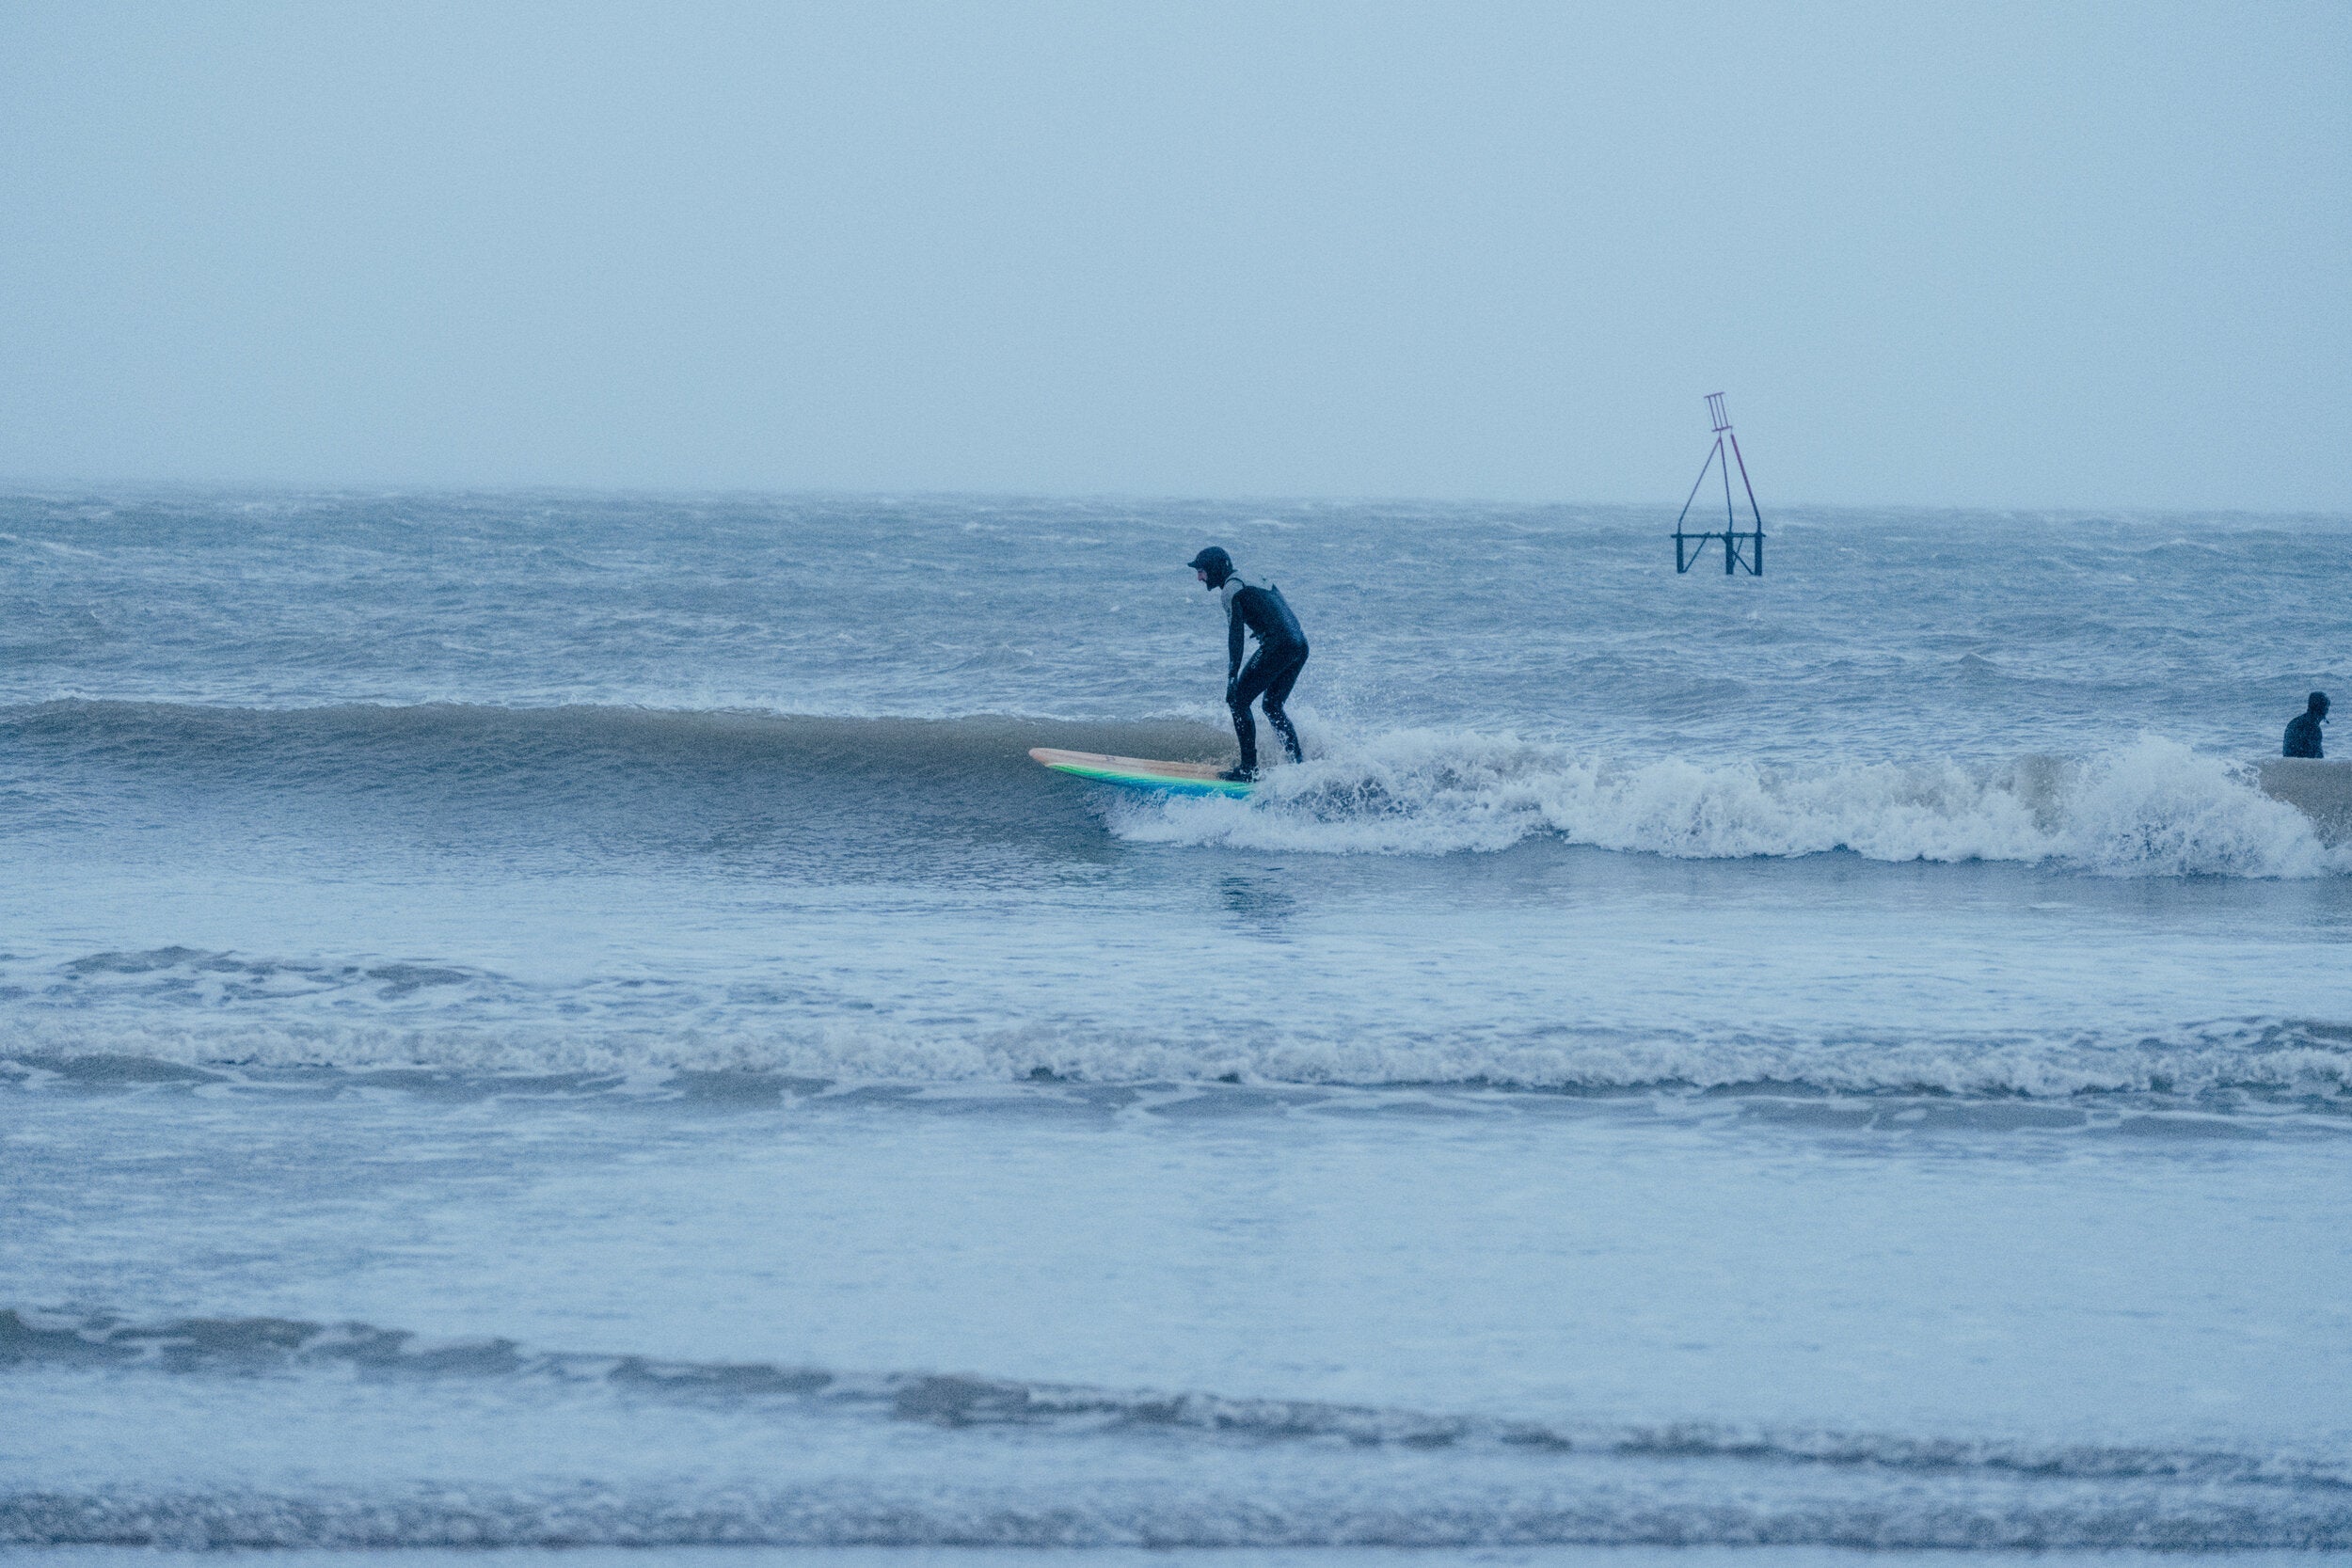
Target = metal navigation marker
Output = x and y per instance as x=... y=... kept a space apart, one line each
x=1740 y=548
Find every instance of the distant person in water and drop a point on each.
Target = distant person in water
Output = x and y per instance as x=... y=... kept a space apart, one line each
x=1272 y=671
x=2303 y=729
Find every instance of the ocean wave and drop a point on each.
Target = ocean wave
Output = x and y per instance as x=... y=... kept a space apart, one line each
x=2213 y=1064
x=456 y=742
x=835 y=797
x=248 y=1346
x=1314 y=1474
x=2153 y=808
x=1083 y=1515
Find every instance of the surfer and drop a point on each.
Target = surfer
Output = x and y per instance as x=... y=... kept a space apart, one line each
x=2303 y=729
x=1272 y=671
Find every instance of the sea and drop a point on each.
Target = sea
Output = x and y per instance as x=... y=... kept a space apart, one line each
x=548 y=1019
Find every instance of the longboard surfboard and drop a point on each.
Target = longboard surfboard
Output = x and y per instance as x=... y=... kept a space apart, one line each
x=1172 y=777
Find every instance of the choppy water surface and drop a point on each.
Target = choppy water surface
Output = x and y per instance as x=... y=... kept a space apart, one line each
x=547 y=1019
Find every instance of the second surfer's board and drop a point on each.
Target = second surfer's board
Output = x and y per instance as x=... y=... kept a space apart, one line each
x=1174 y=778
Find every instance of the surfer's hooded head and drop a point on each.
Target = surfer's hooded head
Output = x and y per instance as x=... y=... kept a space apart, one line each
x=1213 y=564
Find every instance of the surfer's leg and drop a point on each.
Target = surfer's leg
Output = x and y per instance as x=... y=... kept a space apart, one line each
x=1277 y=691
x=1245 y=690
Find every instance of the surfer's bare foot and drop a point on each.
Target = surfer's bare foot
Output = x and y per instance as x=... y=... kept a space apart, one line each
x=1239 y=775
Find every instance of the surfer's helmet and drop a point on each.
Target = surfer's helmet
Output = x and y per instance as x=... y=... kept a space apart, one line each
x=1214 y=562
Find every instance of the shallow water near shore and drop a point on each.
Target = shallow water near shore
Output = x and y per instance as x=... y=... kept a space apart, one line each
x=534 y=1021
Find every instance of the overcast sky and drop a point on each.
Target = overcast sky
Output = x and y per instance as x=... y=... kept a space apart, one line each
x=2047 y=254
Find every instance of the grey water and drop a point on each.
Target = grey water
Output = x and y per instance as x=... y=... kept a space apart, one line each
x=542 y=1019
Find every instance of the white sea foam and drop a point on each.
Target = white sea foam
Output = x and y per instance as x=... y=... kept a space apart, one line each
x=2270 y=1061
x=2155 y=808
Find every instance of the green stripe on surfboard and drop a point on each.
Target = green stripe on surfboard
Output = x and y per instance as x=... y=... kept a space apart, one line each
x=1174 y=778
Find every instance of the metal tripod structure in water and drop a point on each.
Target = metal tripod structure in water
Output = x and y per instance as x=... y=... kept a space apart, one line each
x=1741 y=548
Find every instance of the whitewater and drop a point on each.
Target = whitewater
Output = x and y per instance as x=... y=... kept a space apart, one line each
x=557 y=1020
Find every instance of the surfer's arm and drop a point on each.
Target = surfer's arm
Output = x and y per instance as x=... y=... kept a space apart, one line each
x=1233 y=639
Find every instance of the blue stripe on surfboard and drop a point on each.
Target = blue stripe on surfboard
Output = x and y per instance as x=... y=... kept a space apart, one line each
x=1159 y=782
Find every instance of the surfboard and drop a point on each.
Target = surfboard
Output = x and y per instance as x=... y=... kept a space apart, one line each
x=1172 y=777
x=2320 y=790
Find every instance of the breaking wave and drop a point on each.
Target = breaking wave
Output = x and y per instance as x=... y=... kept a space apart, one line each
x=1098 y=1515
x=2205 y=1067
x=2155 y=808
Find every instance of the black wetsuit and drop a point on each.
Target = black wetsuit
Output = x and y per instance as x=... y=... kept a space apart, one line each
x=1272 y=671
x=2303 y=736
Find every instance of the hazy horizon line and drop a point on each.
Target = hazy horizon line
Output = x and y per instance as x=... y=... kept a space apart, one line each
x=20 y=486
